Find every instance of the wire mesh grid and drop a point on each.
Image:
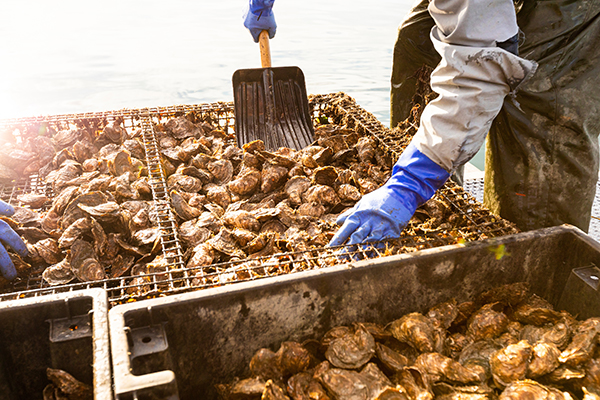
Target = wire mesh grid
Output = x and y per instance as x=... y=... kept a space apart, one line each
x=172 y=276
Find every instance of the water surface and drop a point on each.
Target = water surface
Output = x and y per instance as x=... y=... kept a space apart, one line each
x=72 y=56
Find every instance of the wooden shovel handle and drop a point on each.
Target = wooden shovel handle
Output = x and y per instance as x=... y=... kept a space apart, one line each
x=265 y=50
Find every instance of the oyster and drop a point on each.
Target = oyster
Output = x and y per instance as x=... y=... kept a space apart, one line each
x=583 y=344
x=393 y=360
x=295 y=187
x=527 y=389
x=222 y=170
x=418 y=331
x=59 y=273
x=488 y=322
x=218 y=195
x=348 y=192
x=536 y=311
x=192 y=232
x=225 y=243
x=303 y=386
x=544 y=360
x=324 y=176
x=292 y=358
x=202 y=256
x=33 y=200
x=416 y=385
x=68 y=385
x=439 y=367
x=365 y=148
x=274 y=392
x=476 y=356
x=344 y=384
x=84 y=263
x=106 y=212
x=351 y=350
x=73 y=212
x=184 y=183
x=273 y=176
x=510 y=364
x=264 y=365
x=321 y=194
x=48 y=249
x=246 y=183
x=443 y=314
x=182 y=208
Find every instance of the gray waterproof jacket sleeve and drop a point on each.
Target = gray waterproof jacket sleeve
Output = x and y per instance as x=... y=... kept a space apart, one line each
x=472 y=79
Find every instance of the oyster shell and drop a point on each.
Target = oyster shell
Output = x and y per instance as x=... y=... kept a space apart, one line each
x=510 y=364
x=303 y=386
x=439 y=367
x=393 y=360
x=416 y=385
x=544 y=360
x=274 y=392
x=583 y=344
x=70 y=387
x=182 y=208
x=272 y=177
x=264 y=365
x=295 y=187
x=83 y=262
x=246 y=183
x=219 y=195
x=241 y=219
x=418 y=331
x=536 y=311
x=48 y=249
x=351 y=350
x=225 y=243
x=348 y=192
x=222 y=170
x=184 y=183
x=33 y=200
x=488 y=322
x=59 y=273
x=527 y=389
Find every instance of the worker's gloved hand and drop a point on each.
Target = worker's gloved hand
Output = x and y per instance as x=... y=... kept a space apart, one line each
x=8 y=237
x=259 y=17
x=383 y=213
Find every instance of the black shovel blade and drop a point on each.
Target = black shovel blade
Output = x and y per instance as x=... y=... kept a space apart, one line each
x=271 y=104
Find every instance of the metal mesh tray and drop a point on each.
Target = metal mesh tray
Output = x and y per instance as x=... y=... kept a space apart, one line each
x=475 y=222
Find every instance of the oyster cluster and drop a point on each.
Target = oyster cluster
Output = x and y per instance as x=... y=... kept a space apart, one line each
x=232 y=205
x=506 y=344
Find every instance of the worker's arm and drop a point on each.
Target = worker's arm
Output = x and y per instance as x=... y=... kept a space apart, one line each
x=9 y=237
x=472 y=80
x=259 y=17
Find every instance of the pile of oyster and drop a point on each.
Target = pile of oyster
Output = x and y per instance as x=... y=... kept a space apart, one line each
x=506 y=344
x=231 y=204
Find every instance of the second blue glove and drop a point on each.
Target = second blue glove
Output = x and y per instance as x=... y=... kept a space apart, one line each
x=383 y=213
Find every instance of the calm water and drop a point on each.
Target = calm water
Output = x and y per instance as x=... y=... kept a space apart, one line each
x=74 y=56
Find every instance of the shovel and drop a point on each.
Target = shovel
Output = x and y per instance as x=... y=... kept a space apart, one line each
x=270 y=104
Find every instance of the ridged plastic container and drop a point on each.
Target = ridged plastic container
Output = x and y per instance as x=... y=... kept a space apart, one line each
x=67 y=331
x=179 y=347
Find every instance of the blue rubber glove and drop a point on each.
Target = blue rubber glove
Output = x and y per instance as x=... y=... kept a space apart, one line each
x=259 y=17
x=10 y=238
x=383 y=213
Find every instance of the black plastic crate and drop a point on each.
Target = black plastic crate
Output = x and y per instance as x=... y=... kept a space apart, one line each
x=67 y=331
x=179 y=347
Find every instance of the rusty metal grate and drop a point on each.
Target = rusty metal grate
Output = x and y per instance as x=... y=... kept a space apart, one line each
x=475 y=222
